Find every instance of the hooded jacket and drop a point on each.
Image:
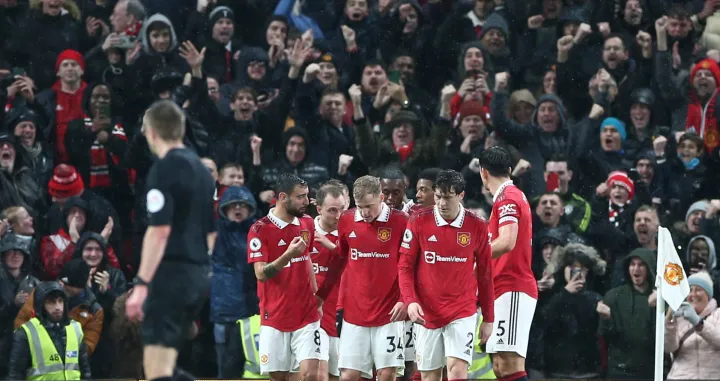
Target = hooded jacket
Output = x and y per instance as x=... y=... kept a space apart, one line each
x=9 y=288
x=21 y=358
x=57 y=249
x=83 y=308
x=569 y=321
x=630 y=331
x=103 y=355
x=535 y=145
x=20 y=187
x=313 y=173
x=711 y=266
x=230 y=268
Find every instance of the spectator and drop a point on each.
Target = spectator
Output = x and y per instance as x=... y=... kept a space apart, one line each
x=628 y=321
x=691 y=332
x=24 y=123
x=81 y=304
x=16 y=283
x=50 y=322
x=231 y=272
x=18 y=183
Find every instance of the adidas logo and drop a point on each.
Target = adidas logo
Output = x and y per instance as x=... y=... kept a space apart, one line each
x=400 y=357
x=432 y=238
x=282 y=243
x=500 y=342
x=467 y=352
x=317 y=350
x=352 y=234
x=315 y=250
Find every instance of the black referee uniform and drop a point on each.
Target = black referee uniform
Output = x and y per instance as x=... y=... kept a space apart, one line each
x=180 y=194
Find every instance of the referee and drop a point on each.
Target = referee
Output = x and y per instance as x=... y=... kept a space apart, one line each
x=173 y=280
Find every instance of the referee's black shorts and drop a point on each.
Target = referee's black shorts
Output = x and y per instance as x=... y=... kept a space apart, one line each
x=175 y=299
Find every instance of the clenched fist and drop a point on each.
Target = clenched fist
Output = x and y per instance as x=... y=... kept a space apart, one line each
x=501 y=81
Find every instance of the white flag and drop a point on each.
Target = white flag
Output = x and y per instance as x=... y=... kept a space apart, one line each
x=672 y=285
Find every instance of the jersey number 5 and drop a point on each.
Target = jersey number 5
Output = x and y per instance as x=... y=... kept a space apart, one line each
x=501 y=329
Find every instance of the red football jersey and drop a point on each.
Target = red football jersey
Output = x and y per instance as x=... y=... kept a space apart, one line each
x=287 y=302
x=371 y=252
x=320 y=257
x=513 y=270
x=437 y=265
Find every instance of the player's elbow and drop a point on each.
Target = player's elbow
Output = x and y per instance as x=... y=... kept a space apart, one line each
x=260 y=271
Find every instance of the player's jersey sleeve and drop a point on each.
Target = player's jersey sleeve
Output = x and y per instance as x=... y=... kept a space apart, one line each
x=508 y=211
x=257 y=250
x=409 y=251
x=160 y=184
x=484 y=274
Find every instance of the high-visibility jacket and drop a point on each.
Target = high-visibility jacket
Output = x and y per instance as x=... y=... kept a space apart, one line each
x=481 y=367
x=47 y=363
x=250 y=335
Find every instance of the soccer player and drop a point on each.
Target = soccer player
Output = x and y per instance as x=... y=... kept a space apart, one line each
x=515 y=286
x=278 y=248
x=394 y=188
x=330 y=206
x=441 y=248
x=424 y=195
x=369 y=238
x=174 y=269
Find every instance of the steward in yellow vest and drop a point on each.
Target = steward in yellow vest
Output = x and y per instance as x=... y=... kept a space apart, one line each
x=49 y=346
x=249 y=333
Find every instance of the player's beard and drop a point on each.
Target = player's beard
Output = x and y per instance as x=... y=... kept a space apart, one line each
x=294 y=211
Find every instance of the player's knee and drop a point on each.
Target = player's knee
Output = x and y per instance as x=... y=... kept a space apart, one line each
x=349 y=375
x=457 y=370
x=386 y=374
x=309 y=375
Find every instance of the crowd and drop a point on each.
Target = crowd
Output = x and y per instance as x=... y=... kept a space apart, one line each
x=608 y=107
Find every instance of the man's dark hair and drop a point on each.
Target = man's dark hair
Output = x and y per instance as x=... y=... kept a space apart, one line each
x=449 y=181
x=231 y=164
x=327 y=190
x=679 y=12
x=551 y=194
x=558 y=157
x=373 y=63
x=497 y=161
x=332 y=90
x=136 y=9
x=694 y=138
x=617 y=35
x=429 y=174
x=287 y=182
x=244 y=90
x=391 y=173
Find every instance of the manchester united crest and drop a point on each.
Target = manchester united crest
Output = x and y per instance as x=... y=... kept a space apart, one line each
x=463 y=239
x=673 y=274
x=305 y=235
x=384 y=234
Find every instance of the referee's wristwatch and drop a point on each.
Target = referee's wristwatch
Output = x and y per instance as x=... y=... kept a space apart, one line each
x=140 y=282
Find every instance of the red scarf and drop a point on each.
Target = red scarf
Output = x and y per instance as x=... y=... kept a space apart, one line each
x=405 y=151
x=99 y=166
x=67 y=107
x=695 y=118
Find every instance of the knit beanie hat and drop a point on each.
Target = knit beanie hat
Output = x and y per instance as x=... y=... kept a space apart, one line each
x=706 y=64
x=75 y=273
x=622 y=179
x=495 y=21
x=703 y=280
x=221 y=12
x=65 y=182
x=697 y=206
x=70 y=54
x=471 y=108
x=617 y=124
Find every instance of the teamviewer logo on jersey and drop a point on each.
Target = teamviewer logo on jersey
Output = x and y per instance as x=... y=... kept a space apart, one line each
x=353 y=254
x=429 y=257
